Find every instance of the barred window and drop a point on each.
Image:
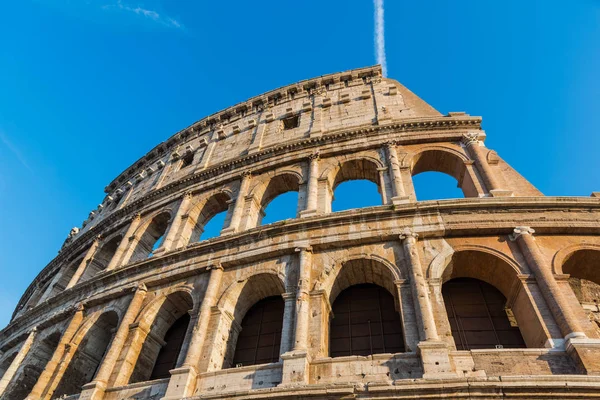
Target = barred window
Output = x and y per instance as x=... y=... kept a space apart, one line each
x=365 y=322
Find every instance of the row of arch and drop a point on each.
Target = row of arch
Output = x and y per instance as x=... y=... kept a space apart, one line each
x=275 y=194
x=477 y=296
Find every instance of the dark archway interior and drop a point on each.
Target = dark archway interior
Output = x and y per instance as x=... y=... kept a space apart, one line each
x=151 y=237
x=32 y=367
x=260 y=338
x=477 y=316
x=88 y=356
x=365 y=322
x=101 y=259
x=167 y=357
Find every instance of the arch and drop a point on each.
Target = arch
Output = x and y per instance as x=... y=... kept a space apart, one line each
x=102 y=257
x=477 y=316
x=443 y=258
x=365 y=322
x=445 y=160
x=91 y=343
x=362 y=269
x=154 y=322
x=205 y=210
x=33 y=365
x=265 y=192
x=582 y=263
x=363 y=168
x=239 y=298
x=259 y=341
x=565 y=253
x=150 y=235
x=8 y=359
x=502 y=273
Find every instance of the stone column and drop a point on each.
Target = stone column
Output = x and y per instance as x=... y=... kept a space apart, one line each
x=558 y=305
x=183 y=380
x=95 y=389
x=50 y=377
x=16 y=363
x=181 y=214
x=87 y=259
x=312 y=189
x=384 y=195
x=296 y=362
x=127 y=245
x=287 y=331
x=435 y=356
x=420 y=291
x=394 y=165
x=476 y=149
x=238 y=207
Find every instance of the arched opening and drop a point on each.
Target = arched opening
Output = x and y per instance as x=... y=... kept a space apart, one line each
x=214 y=226
x=101 y=259
x=583 y=266
x=259 y=299
x=433 y=185
x=260 y=338
x=356 y=185
x=60 y=281
x=436 y=186
x=210 y=217
x=168 y=354
x=32 y=367
x=478 y=316
x=279 y=200
x=365 y=322
x=366 y=315
x=476 y=287
x=281 y=207
x=151 y=238
x=165 y=339
x=88 y=355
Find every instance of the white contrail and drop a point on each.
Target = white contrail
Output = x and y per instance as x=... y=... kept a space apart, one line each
x=379 y=36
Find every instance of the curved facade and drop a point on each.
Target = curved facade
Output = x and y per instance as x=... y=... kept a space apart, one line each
x=493 y=295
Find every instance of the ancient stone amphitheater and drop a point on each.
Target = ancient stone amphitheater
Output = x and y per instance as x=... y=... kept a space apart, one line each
x=487 y=296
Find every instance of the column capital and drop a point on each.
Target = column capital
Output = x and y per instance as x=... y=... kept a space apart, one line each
x=520 y=231
x=314 y=156
x=78 y=308
x=140 y=288
x=187 y=195
x=390 y=143
x=214 y=266
x=470 y=138
x=136 y=217
x=246 y=174
x=409 y=234
x=300 y=249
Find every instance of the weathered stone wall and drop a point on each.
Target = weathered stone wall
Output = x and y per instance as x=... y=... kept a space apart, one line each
x=96 y=317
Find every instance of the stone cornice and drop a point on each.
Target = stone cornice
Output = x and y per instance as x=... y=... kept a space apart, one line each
x=485 y=219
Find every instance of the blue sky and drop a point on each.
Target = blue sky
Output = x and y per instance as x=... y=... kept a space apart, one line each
x=87 y=87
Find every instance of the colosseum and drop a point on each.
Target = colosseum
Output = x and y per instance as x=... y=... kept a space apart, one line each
x=490 y=296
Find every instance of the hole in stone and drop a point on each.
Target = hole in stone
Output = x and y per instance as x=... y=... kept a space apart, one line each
x=187 y=160
x=291 y=122
x=437 y=363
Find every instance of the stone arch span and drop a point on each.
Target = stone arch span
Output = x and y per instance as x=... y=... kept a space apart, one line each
x=447 y=160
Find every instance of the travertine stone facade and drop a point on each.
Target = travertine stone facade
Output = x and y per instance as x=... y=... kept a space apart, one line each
x=136 y=306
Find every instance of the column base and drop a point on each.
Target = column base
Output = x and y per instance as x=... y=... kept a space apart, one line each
x=397 y=200
x=435 y=357
x=182 y=383
x=93 y=391
x=228 y=231
x=501 y=193
x=308 y=213
x=586 y=353
x=295 y=368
